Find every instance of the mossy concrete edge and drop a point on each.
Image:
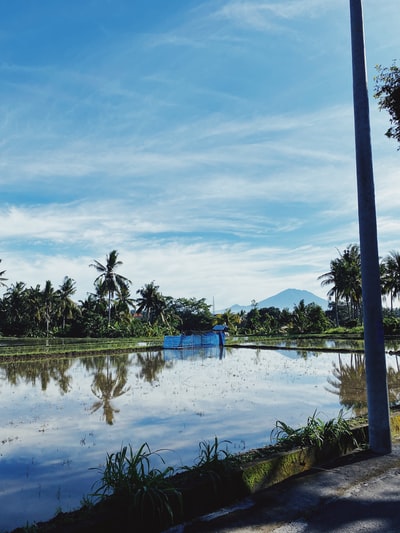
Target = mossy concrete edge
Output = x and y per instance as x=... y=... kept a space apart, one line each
x=265 y=472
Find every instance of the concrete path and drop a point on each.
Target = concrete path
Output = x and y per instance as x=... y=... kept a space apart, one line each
x=360 y=493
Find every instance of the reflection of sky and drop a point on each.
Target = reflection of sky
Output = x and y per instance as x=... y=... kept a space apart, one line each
x=50 y=440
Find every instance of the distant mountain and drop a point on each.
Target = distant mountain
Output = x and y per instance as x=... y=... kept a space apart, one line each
x=285 y=299
x=291 y=297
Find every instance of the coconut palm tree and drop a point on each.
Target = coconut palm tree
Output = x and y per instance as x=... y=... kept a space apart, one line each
x=16 y=310
x=109 y=279
x=48 y=307
x=345 y=276
x=151 y=303
x=352 y=273
x=67 y=306
x=333 y=277
x=2 y=280
x=125 y=303
x=391 y=275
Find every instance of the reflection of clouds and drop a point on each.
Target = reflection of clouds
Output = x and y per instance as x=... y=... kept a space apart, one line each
x=32 y=490
x=238 y=398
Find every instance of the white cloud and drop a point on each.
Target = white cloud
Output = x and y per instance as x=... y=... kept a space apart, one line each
x=268 y=15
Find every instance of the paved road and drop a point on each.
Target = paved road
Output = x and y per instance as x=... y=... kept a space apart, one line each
x=359 y=494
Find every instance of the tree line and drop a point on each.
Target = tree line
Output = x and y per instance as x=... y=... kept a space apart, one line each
x=111 y=310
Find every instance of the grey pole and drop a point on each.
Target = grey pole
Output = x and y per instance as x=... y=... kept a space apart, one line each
x=375 y=361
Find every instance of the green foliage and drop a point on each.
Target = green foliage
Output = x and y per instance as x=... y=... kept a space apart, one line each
x=151 y=303
x=390 y=276
x=391 y=325
x=345 y=331
x=109 y=282
x=213 y=462
x=210 y=453
x=344 y=277
x=190 y=314
x=129 y=476
x=316 y=433
x=265 y=321
x=308 y=318
x=109 y=311
x=387 y=92
x=147 y=492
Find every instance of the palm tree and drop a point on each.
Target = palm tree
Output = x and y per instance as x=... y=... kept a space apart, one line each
x=48 y=304
x=391 y=275
x=109 y=279
x=125 y=303
x=151 y=303
x=2 y=280
x=16 y=310
x=352 y=269
x=230 y=319
x=345 y=276
x=67 y=306
x=333 y=277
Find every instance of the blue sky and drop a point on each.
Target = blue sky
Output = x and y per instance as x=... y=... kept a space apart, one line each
x=210 y=142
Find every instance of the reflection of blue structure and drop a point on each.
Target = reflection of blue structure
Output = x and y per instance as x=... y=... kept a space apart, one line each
x=194 y=353
x=206 y=339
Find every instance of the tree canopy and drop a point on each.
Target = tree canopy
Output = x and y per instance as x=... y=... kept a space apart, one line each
x=387 y=92
x=110 y=311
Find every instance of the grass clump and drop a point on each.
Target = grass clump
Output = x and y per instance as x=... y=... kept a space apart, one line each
x=210 y=454
x=212 y=461
x=143 y=490
x=315 y=433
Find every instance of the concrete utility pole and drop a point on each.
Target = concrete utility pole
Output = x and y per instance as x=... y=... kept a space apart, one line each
x=375 y=361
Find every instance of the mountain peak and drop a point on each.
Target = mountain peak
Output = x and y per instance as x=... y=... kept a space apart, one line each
x=285 y=299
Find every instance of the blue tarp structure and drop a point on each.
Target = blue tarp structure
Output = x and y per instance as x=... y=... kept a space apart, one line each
x=216 y=337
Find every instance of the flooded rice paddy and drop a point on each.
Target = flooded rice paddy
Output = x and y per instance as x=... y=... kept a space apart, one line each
x=60 y=417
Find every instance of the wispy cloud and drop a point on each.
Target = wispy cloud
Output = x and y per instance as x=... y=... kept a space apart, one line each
x=267 y=15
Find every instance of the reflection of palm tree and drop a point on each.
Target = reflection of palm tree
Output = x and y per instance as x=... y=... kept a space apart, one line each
x=43 y=371
x=393 y=377
x=349 y=383
x=59 y=373
x=106 y=387
x=151 y=365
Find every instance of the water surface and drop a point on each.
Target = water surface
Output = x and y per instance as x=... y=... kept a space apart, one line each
x=60 y=417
